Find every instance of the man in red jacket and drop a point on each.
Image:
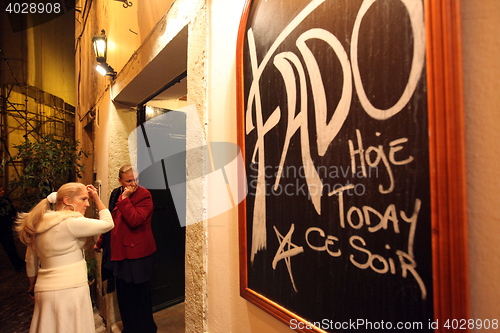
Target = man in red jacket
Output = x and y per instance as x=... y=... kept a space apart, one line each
x=129 y=252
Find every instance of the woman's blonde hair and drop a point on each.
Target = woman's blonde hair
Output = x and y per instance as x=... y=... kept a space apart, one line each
x=27 y=223
x=125 y=169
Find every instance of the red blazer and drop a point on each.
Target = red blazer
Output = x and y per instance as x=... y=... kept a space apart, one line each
x=132 y=236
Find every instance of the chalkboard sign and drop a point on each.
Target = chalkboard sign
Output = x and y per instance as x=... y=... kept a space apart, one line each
x=343 y=227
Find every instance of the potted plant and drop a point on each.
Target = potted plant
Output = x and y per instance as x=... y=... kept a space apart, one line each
x=46 y=165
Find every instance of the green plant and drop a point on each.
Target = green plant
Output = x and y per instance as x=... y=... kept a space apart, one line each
x=47 y=164
x=91 y=269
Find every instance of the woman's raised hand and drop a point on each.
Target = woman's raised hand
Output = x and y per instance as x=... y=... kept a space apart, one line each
x=92 y=191
x=95 y=197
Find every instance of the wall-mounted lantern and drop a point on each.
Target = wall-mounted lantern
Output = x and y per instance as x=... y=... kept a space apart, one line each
x=100 y=43
x=100 y=46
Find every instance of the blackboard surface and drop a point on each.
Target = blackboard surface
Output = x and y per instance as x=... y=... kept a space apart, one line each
x=338 y=214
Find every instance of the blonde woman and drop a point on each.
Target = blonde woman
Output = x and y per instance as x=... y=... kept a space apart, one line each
x=55 y=262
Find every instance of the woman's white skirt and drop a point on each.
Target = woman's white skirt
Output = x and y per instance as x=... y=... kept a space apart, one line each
x=63 y=311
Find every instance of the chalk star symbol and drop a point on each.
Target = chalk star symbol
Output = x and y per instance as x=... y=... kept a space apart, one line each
x=291 y=250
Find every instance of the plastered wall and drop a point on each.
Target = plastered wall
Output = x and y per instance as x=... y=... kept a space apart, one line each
x=481 y=68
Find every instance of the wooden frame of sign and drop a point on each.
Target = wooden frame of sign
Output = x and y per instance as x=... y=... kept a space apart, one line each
x=350 y=121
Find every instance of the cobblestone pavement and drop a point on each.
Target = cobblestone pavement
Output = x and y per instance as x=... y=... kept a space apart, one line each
x=16 y=307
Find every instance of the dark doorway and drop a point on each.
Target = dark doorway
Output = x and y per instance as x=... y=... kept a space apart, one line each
x=161 y=161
